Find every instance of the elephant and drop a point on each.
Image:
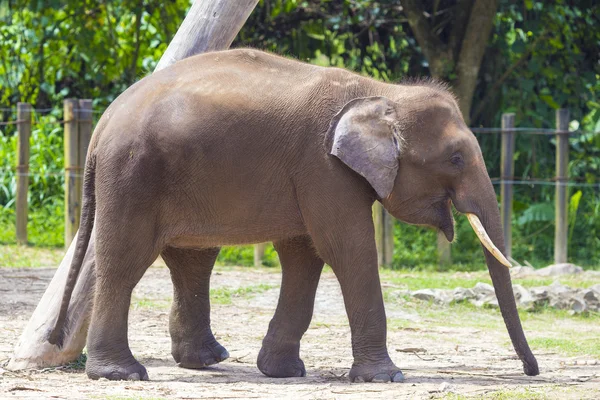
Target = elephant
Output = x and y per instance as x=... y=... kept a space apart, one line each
x=243 y=146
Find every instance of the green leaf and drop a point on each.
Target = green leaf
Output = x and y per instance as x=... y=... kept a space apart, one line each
x=538 y=212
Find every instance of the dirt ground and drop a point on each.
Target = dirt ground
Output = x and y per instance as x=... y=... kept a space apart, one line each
x=438 y=362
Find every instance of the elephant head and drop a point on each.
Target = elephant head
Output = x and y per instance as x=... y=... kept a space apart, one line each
x=416 y=152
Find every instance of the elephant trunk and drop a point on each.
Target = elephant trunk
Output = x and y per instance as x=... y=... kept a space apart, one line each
x=500 y=275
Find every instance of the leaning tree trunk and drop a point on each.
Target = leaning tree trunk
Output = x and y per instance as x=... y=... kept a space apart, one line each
x=209 y=25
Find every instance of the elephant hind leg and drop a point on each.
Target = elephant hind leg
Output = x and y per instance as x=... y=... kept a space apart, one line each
x=192 y=342
x=279 y=356
x=122 y=258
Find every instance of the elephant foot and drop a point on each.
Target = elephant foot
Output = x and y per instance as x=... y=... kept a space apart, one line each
x=280 y=363
x=130 y=372
x=385 y=371
x=530 y=367
x=196 y=357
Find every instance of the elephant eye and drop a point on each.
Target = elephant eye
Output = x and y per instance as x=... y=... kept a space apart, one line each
x=457 y=160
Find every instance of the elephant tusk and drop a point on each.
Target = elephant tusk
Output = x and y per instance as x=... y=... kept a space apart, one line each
x=485 y=239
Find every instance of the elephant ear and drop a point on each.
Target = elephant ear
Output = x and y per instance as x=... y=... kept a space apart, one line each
x=366 y=138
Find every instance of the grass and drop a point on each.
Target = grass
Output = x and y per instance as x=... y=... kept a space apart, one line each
x=225 y=295
x=147 y=303
x=583 y=345
x=415 y=280
x=506 y=394
x=30 y=257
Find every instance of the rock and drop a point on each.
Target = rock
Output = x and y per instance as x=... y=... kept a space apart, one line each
x=444 y=387
x=462 y=294
x=560 y=296
x=559 y=269
x=555 y=295
x=591 y=296
x=521 y=270
x=523 y=297
x=483 y=289
x=485 y=295
x=435 y=295
x=558 y=288
x=578 y=305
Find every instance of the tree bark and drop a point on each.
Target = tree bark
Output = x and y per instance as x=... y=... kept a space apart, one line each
x=209 y=25
x=435 y=51
x=472 y=48
x=462 y=55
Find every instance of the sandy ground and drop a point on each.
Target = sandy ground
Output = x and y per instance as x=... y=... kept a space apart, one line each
x=438 y=362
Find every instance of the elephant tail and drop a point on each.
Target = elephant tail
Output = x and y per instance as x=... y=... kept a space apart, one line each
x=88 y=210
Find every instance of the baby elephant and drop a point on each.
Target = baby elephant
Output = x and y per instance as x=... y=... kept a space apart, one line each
x=240 y=147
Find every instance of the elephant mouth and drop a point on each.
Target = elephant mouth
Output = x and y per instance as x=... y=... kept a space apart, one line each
x=446 y=225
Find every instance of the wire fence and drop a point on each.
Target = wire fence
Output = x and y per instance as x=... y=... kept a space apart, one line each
x=76 y=118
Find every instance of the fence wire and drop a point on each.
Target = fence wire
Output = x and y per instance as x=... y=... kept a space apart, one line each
x=495 y=181
x=535 y=182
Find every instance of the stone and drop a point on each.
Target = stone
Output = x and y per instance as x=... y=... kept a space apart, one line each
x=590 y=295
x=557 y=287
x=578 y=305
x=462 y=294
x=481 y=288
x=559 y=269
x=444 y=387
x=523 y=297
x=435 y=295
x=521 y=270
x=560 y=296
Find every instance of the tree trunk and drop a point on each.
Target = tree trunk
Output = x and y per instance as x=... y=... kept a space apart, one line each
x=471 y=53
x=463 y=52
x=209 y=25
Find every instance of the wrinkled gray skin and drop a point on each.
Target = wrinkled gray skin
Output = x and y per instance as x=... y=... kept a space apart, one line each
x=242 y=146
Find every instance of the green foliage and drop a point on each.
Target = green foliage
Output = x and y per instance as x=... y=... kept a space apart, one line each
x=225 y=295
x=56 y=49
x=542 y=51
x=541 y=56
x=25 y=256
x=244 y=255
x=45 y=198
x=362 y=36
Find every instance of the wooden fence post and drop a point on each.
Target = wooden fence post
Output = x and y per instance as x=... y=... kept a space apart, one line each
x=72 y=172
x=379 y=229
x=388 y=238
x=85 y=134
x=562 y=162
x=259 y=253
x=508 y=171
x=24 y=132
x=443 y=249
x=384 y=235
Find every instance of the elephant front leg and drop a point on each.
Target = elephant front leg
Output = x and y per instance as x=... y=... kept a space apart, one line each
x=192 y=342
x=348 y=245
x=361 y=288
x=301 y=267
